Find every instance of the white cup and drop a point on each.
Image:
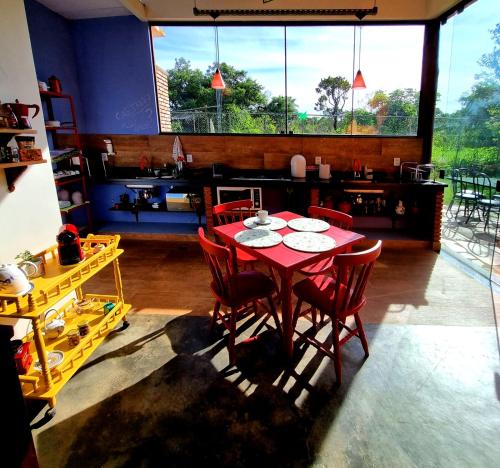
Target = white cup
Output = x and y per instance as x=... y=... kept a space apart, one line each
x=262 y=216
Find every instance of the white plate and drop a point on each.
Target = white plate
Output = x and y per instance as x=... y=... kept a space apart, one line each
x=54 y=358
x=258 y=238
x=274 y=223
x=308 y=242
x=308 y=225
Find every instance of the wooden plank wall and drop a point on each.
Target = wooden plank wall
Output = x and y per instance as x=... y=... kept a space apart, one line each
x=260 y=152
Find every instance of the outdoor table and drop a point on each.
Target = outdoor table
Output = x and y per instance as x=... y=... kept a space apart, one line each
x=286 y=261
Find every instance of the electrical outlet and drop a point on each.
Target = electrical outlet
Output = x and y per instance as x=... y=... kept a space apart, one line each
x=397 y=162
x=189 y=158
x=317 y=160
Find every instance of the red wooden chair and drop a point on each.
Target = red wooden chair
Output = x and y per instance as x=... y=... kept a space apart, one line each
x=339 y=298
x=334 y=218
x=230 y=213
x=233 y=289
x=239 y=210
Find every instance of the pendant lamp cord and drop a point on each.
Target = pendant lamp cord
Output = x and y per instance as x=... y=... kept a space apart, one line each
x=353 y=75
x=359 y=53
x=216 y=46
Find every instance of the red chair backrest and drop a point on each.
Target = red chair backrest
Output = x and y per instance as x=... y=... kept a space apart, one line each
x=354 y=269
x=231 y=212
x=220 y=262
x=333 y=217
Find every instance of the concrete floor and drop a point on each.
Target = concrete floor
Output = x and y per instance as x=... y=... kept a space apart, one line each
x=161 y=393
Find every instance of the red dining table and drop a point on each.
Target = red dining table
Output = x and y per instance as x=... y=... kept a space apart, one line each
x=286 y=261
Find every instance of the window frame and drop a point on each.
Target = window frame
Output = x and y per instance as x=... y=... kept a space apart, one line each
x=428 y=77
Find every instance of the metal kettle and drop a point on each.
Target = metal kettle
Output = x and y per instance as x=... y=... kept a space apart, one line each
x=22 y=112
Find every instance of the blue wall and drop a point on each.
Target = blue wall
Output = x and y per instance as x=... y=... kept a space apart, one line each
x=115 y=67
x=105 y=63
x=53 y=54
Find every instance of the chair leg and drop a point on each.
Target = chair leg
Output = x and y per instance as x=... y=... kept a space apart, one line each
x=450 y=205
x=232 y=336
x=458 y=209
x=314 y=316
x=486 y=217
x=336 y=351
x=361 y=334
x=215 y=315
x=274 y=313
x=296 y=313
x=275 y=281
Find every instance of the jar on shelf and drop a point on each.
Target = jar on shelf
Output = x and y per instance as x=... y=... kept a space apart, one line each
x=73 y=337
x=83 y=327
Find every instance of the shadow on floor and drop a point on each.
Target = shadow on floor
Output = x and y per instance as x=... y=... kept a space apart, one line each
x=195 y=410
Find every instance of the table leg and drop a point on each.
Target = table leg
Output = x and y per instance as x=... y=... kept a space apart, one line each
x=286 y=311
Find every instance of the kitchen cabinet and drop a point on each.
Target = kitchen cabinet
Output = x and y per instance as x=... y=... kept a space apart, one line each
x=390 y=210
x=14 y=169
x=67 y=163
x=54 y=289
x=134 y=206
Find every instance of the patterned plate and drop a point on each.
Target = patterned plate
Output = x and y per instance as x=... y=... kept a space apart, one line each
x=54 y=358
x=258 y=238
x=308 y=225
x=274 y=223
x=308 y=242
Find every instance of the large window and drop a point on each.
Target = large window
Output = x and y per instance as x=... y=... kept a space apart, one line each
x=289 y=79
x=467 y=119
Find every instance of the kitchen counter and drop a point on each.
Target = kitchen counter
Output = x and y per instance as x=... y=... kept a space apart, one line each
x=279 y=190
x=264 y=178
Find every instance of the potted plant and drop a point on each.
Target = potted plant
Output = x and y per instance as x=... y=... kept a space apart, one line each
x=25 y=258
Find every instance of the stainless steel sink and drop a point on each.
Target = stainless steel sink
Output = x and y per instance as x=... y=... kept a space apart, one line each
x=265 y=179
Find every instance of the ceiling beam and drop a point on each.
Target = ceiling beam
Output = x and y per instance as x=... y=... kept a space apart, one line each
x=136 y=7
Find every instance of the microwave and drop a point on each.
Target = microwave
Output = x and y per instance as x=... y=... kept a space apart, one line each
x=228 y=194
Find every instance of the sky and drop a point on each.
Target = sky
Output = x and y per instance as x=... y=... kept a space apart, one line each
x=390 y=55
x=463 y=39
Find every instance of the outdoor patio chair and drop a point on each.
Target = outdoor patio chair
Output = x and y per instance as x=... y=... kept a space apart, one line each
x=462 y=192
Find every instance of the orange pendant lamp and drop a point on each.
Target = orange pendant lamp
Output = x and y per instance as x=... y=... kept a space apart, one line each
x=217 y=80
x=359 y=81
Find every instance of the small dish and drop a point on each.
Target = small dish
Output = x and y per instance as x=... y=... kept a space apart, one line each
x=263 y=223
x=27 y=290
x=54 y=358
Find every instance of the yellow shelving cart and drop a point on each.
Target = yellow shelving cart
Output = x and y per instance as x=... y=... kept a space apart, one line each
x=55 y=288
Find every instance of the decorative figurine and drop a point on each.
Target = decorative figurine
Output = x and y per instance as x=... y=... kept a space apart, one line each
x=400 y=209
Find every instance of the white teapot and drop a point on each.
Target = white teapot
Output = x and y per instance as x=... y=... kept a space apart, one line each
x=55 y=328
x=13 y=280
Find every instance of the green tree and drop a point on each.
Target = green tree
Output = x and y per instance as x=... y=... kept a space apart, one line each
x=188 y=88
x=402 y=111
x=241 y=90
x=491 y=61
x=332 y=97
x=480 y=112
x=276 y=109
x=379 y=102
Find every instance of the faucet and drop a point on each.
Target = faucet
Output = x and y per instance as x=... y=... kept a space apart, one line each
x=402 y=166
x=424 y=170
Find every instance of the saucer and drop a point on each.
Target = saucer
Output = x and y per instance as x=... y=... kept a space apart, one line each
x=28 y=289
x=54 y=358
x=263 y=223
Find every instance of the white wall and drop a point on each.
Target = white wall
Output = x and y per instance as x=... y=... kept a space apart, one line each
x=29 y=216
